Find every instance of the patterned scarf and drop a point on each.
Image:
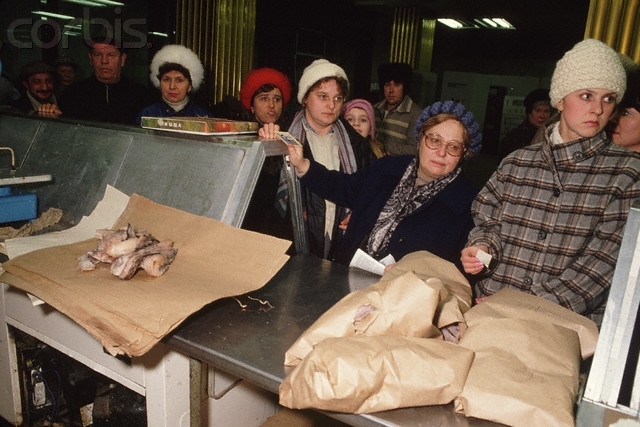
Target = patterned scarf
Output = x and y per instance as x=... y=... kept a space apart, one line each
x=298 y=130
x=405 y=199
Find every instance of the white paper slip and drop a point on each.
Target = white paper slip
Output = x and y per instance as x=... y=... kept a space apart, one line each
x=364 y=261
x=484 y=257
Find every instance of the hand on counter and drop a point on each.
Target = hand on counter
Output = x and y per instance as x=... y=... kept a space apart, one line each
x=268 y=131
x=49 y=110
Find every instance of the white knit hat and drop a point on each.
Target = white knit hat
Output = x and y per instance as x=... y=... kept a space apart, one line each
x=590 y=64
x=177 y=54
x=318 y=69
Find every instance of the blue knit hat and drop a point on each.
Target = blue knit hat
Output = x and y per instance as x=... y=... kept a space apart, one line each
x=458 y=110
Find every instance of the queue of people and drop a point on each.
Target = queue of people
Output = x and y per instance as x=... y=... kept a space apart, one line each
x=388 y=178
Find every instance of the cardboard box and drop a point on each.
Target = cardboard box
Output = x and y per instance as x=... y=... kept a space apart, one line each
x=200 y=125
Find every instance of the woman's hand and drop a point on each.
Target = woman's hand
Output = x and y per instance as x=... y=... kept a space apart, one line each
x=268 y=131
x=343 y=224
x=470 y=262
x=296 y=157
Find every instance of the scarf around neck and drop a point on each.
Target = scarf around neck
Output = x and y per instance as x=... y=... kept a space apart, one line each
x=405 y=199
x=298 y=129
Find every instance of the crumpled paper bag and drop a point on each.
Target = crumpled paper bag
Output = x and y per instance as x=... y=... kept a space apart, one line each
x=525 y=373
x=426 y=265
x=402 y=306
x=363 y=374
x=513 y=304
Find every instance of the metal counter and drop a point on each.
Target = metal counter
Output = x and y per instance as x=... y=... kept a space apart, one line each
x=250 y=343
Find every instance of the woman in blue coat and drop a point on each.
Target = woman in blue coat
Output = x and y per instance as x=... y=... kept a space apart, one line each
x=403 y=204
x=177 y=71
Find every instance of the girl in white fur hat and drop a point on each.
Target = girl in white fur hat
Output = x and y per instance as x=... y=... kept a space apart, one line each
x=176 y=71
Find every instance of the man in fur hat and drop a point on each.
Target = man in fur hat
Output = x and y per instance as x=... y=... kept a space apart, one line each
x=397 y=114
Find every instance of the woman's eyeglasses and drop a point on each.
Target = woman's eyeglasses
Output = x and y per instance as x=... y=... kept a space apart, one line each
x=434 y=141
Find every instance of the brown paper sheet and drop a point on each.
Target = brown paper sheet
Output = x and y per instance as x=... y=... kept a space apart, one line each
x=525 y=373
x=214 y=261
x=364 y=374
x=513 y=304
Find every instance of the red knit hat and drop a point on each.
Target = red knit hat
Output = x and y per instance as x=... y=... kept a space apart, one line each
x=260 y=77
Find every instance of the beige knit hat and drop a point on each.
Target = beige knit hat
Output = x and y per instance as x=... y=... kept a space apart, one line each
x=590 y=64
x=318 y=69
x=628 y=64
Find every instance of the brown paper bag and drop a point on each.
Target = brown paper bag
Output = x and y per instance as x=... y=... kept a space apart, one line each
x=513 y=304
x=403 y=306
x=525 y=373
x=426 y=265
x=364 y=374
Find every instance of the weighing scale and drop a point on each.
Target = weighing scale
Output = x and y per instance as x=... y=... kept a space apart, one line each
x=17 y=205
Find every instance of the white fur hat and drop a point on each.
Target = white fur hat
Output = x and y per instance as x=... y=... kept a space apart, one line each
x=590 y=64
x=318 y=69
x=177 y=54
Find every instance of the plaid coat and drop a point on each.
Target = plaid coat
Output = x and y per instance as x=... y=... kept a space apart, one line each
x=553 y=218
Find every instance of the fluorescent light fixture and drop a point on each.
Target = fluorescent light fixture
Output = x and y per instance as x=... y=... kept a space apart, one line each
x=87 y=3
x=52 y=15
x=155 y=33
x=497 y=23
x=491 y=23
x=110 y=2
x=451 y=23
x=504 y=23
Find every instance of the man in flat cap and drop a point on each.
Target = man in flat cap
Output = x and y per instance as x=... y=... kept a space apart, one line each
x=37 y=79
x=397 y=114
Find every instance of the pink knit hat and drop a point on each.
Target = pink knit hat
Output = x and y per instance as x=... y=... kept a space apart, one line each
x=366 y=106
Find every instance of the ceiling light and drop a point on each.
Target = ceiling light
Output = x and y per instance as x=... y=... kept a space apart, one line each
x=489 y=22
x=87 y=3
x=451 y=23
x=504 y=23
x=496 y=23
x=110 y=2
x=52 y=15
x=155 y=33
